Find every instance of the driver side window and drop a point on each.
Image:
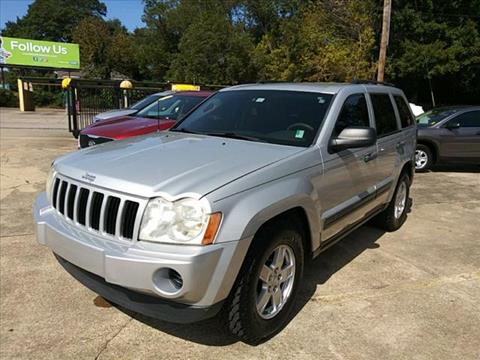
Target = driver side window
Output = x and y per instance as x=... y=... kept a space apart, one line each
x=468 y=119
x=354 y=113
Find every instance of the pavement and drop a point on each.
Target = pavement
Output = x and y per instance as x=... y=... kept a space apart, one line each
x=411 y=294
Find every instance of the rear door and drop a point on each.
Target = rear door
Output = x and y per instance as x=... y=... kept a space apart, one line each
x=462 y=144
x=389 y=142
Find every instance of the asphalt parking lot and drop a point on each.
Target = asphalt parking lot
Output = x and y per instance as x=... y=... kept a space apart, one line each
x=412 y=294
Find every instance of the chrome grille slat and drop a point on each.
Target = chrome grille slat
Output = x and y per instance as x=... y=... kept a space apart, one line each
x=118 y=223
x=101 y=224
x=76 y=204
x=118 y=215
x=87 y=210
x=65 y=200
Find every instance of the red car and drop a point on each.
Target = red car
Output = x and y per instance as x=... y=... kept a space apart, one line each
x=158 y=116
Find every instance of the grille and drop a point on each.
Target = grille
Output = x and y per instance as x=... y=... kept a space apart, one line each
x=86 y=140
x=107 y=213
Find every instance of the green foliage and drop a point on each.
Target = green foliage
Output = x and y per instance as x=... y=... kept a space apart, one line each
x=8 y=98
x=439 y=41
x=106 y=46
x=53 y=19
x=233 y=41
x=323 y=42
x=48 y=98
x=212 y=51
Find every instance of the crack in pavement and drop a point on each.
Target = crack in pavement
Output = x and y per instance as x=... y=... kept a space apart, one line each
x=13 y=235
x=104 y=346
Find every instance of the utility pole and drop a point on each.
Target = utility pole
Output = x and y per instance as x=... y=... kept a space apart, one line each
x=387 y=10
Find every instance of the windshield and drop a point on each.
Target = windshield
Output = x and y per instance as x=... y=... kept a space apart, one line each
x=139 y=105
x=280 y=117
x=434 y=116
x=170 y=107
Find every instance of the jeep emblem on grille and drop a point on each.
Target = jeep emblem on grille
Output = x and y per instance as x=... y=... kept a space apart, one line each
x=89 y=177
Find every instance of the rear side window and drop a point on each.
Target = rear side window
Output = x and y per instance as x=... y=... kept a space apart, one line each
x=406 y=117
x=384 y=114
x=468 y=119
x=354 y=113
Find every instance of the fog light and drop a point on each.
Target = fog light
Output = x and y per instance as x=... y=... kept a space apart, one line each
x=175 y=278
x=167 y=281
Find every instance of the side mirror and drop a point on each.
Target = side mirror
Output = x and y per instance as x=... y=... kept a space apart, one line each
x=452 y=125
x=354 y=137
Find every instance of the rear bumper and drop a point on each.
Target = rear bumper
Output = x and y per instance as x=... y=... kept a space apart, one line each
x=148 y=305
x=139 y=268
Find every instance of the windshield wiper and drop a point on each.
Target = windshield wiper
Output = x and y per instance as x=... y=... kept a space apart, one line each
x=233 y=135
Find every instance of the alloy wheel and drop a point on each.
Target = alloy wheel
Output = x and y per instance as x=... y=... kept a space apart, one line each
x=275 y=282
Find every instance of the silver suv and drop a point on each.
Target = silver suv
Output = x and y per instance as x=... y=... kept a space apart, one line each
x=220 y=214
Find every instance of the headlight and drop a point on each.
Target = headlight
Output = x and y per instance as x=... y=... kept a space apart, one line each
x=184 y=221
x=49 y=183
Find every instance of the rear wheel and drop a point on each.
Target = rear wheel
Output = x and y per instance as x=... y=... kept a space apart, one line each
x=423 y=158
x=393 y=217
x=262 y=298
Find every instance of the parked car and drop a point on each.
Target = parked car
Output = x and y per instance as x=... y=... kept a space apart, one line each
x=448 y=135
x=223 y=210
x=139 y=105
x=158 y=116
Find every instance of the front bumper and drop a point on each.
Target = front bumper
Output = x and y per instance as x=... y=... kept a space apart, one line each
x=208 y=272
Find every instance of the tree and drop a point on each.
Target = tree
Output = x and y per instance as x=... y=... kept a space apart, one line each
x=106 y=46
x=212 y=50
x=54 y=20
x=438 y=43
x=326 y=41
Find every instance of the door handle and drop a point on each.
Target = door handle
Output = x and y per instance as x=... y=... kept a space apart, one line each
x=370 y=156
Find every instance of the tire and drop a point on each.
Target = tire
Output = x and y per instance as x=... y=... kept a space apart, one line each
x=393 y=217
x=240 y=314
x=423 y=158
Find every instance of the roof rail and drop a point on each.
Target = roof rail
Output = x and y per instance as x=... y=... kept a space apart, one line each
x=371 y=82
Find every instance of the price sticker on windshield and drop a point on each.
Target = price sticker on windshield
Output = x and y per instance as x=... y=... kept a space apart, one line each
x=299 y=134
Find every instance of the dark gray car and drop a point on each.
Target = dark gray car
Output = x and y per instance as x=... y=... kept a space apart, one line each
x=448 y=135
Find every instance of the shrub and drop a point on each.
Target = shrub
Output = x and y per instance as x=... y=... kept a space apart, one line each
x=8 y=98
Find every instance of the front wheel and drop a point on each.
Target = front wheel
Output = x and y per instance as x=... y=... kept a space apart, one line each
x=262 y=298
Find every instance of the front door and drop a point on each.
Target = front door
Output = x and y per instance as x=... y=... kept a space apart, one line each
x=347 y=187
x=463 y=143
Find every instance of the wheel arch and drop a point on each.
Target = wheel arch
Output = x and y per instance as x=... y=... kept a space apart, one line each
x=432 y=145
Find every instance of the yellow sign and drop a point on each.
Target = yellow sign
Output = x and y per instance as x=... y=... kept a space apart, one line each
x=185 y=87
x=66 y=83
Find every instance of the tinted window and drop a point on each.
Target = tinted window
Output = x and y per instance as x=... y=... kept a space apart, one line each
x=170 y=107
x=354 y=113
x=281 y=117
x=406 y=117
x=384 y=114
x=469 y=119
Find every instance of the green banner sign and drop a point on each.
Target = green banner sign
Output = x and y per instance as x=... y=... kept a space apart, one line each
x=15 y=51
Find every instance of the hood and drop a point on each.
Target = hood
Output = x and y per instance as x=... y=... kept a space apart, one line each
x=126 y=126
x=171 y=163
x=114 y=113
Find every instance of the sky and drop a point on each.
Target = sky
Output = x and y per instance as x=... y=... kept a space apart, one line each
x=128 y=11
